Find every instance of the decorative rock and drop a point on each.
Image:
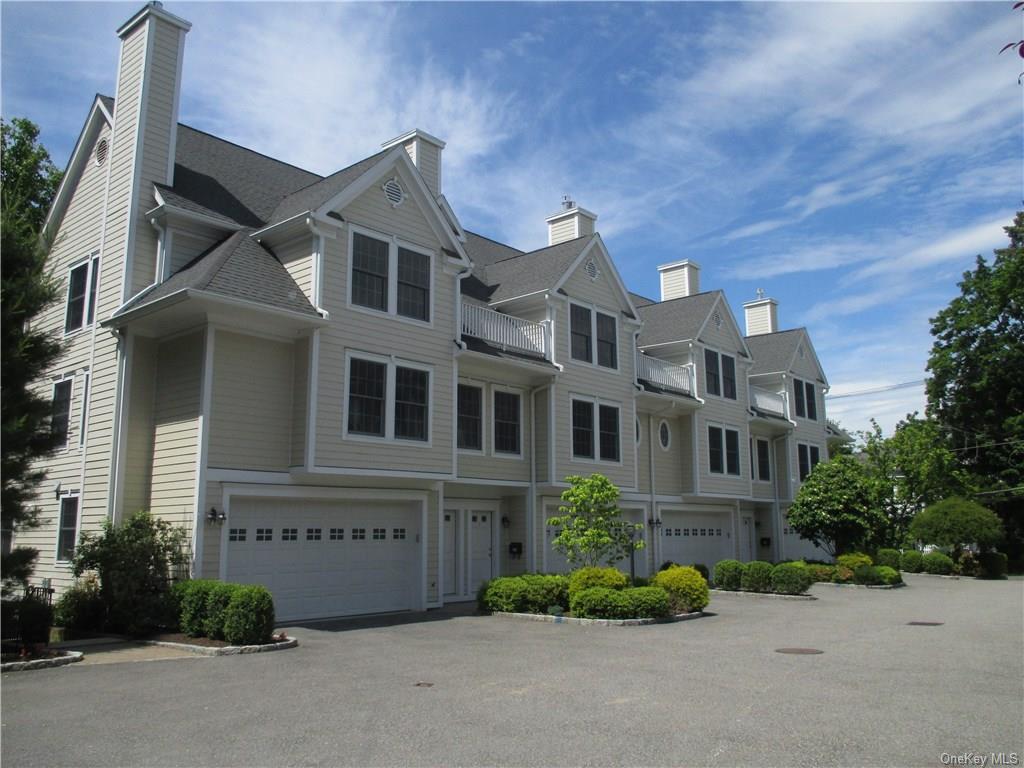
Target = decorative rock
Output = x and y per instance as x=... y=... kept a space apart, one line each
x=69 y=657
x=598 y=622
x=227 y=650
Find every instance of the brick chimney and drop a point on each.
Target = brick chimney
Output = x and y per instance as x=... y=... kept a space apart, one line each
x=570 y=222
x=762 y=315
x=425 y=152
x=679 y=279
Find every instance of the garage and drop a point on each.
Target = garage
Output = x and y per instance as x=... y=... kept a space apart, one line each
x=324 y=558
x=690 y=537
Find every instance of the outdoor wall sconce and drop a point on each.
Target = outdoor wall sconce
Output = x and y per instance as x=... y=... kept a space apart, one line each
x=214 y=516
x=654 y=523
x=505 y=522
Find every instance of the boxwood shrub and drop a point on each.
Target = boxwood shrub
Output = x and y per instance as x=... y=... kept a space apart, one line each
x=506 y=594
x=889 y=575
x=728 y=574
x=910 y=561
x=842 y=575
x=687 y=590
x=249 y=616
x=545 y=591
x=601 y=603
x=888 y=557
x=866 y=574
x=757 y=576
x=217 y=599
x=585 y=578
x=192 y=596
x=80 y=608
x=937 y=563
x=992 y=565
x=647 y=602
x=820 y=572
x=791 y=579
x=854 y=560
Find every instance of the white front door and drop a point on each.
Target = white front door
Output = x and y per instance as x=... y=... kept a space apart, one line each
x=451 y=518
x=480 y=557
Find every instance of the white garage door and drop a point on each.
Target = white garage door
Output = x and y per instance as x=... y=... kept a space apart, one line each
x=322 y=558
x=688 y=538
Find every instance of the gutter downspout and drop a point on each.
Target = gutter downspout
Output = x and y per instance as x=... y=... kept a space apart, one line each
x=777 y=517
x=655 y=543
x=531 y=501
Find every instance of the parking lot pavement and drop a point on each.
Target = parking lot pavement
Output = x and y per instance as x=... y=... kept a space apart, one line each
x=497 y=691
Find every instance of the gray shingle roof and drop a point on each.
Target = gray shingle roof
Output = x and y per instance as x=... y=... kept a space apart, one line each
x=173 y=198
x=773 y=351
x=534 y=271
x=640 y=301
x=676 y=319
x=238 y=268
x=319 y=192
x=483 y=251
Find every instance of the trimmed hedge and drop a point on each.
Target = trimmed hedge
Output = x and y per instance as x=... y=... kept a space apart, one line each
x=937 y=563
x=505 y=594
x=854 y=560
x=992 y=565
x=601 y=603
x=910 y=561
x=80 y=608
x=888 y=557
x=647 y=602
x=728 y=574
x=217 y=599
x=687 y=590
x=889 y=575
x=867 y=574
x=191 y=596
x=842 y=575
x=820 y=572
x=757 y=577
x=585 y=578
x=249 y=616
x=546 y=591
x=791 y=579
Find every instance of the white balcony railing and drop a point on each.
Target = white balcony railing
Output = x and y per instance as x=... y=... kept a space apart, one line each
x=504 y=330
x=769 y=402
x=664 y=374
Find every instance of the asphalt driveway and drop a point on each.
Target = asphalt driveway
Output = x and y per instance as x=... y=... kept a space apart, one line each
x=706 y=692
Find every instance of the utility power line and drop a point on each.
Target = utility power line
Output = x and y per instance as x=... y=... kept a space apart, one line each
x=876 y=390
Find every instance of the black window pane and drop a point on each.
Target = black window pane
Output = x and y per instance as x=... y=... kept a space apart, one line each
x=94 y=278
x=369 y=272
x=410 y=403
x=732 y=451
x=366 y=385
x=68 y=528
x=814 y=457
x=607 y=346
x=798 y=397
x=609 y=427
x=506 y=422
x=812 y=403
x=716 y=461
x=711 y=381
x=763 y=462
x=413 y=284
x=582 y=429
x=729 y=377
x=61 y=412
x=804 y=461
x=470 y=427
x=76 y=298
x=579 y=329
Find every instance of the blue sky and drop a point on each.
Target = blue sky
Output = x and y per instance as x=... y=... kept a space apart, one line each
x=849 y=159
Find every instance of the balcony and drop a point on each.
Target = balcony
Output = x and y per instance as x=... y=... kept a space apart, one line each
x=664 y=374
x=507 y=332
x=768 y=402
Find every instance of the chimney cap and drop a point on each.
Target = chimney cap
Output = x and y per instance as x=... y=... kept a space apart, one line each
x=566 y=212
x=153 y=8
x=759 y=301
x=415 y=133
x=677 y=264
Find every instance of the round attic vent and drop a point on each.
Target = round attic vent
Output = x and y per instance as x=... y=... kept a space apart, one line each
x=591 y=269
x=393 y=192
x=101 y=151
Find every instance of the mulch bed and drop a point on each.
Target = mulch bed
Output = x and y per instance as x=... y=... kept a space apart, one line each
x=180 y=637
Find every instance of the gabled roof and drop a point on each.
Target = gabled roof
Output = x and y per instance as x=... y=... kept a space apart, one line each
x=236 y=268
x=533 y=272
x=173 y=199
x=483 y=251
x=773 y=352
x=676 y=319
x=319 y=192
x=640 y=301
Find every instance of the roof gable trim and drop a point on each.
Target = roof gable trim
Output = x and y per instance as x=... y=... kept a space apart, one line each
x=598 y=243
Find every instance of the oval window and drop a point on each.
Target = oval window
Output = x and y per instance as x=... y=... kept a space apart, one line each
x=665 y=435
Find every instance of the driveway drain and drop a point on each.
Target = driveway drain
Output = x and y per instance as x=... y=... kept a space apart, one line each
x=799 y=651
x=925 y=623
x=423 y=684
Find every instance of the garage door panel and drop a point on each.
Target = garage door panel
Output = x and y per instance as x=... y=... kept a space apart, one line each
x=688 y=538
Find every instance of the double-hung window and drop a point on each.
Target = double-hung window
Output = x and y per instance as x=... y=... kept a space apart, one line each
x=388 y=400
x=808 y=457
x=712 y=381
x=723 y=451
x=805 y=400
x=389 y=277
x=595 y=431
x=507 y=423
x=60 y=413
x=719 y=374
x=82 y=288
x=728 y=377
x=470 y=418
x=68 y=529
x=764 y=470
x=589 y=328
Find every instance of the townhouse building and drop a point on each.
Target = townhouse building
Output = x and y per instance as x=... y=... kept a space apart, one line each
x=343 y=394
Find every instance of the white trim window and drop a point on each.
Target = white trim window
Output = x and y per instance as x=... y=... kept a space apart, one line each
x=387 y=399
x=805 y=399
x=470 y=410
x=808 y=457
x=67 y=528
x=590 y=328
x=723 y=450
x=83 y=284
x=761 y=460
x=60 y=411
x=665 y=435
x=596 y=430
x=507 y=431
x=390 y=276
x=719 y=374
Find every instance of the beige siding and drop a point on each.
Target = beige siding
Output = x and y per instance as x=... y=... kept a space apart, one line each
x=139 y=445
x=514 y=508
x=541 y=440
x=298 y=258
x=429 y=164
x=210 y=564
x=760 y=319
x=300 y=401
x=251 y=410
x=176 y=428
x=185 y=246
x=364 y=331
x=433 y=550
x=759 y=488
x=563 y=230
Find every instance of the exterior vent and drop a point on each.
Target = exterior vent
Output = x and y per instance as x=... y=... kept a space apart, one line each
x=591 y=269
x=393 y=192
x=717 y=319
x=101 y=151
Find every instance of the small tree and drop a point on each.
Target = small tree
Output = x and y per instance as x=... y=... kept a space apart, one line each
x=592 y=530
x=957 y=523
x=135 y=562
x=834 y=507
